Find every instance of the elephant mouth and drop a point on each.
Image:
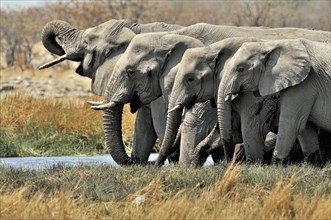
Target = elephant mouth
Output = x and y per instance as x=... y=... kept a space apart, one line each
x=231 y=96
x=192 y=102
x=80 y=70
x=135 y=103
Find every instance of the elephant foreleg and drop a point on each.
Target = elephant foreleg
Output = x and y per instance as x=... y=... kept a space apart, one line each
x=144 y=135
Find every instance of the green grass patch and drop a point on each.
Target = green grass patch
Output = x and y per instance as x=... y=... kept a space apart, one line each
x=54 y=127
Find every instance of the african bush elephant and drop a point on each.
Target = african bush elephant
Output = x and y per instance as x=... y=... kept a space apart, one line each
x=98 y=49
x=198 y=80
x=146 y=71
x=298 y=69
x=200 y=83
x=208 y=34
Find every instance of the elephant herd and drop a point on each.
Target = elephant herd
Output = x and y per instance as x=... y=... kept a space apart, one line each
x=206 y=89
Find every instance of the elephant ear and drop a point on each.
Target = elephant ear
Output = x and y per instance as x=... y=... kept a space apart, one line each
x=220 y=59
x=100 y=79
x=174 y=47
x=286 y=64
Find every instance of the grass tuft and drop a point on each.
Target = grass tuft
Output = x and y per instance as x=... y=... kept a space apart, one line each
x=49 y=126
x=144 y=192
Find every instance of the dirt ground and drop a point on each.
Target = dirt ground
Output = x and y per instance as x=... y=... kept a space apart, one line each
x=53 y=82
x=58 y=81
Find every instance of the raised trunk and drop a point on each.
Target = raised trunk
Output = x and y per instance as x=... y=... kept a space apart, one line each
x=174 y=119
x=112 y=123
x=225 y=125
x=61 y=38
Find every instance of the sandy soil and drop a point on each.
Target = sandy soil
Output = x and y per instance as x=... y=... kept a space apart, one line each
x=53 y=82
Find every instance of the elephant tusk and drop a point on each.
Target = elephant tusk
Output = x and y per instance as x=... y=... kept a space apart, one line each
x=53 y=62
x=228 y=98
x=231 y=97
x=95 y=103
x=104 y=106
x=175 y=108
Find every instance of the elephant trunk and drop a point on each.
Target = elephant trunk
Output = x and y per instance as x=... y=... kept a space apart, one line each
x=174 y=119
x=225 y=125
x=112 y=123
x=61 y=38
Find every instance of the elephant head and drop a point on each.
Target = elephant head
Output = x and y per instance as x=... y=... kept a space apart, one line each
x=201 y=70
x=267 y=67
x=147 y=69
x=253 y=62
x=142 y=74
x=97 y=49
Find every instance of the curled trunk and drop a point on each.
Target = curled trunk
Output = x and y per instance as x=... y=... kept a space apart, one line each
x=112 y=123
x=174 y=119
x=60 y=38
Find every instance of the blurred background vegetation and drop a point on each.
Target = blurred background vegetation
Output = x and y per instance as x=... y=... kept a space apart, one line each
x=20 y=28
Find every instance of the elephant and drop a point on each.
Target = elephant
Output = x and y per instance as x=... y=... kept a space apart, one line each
x=198 y=80
x=207 y=34
x=299 y=70
x=146 y=72
x=98 y=49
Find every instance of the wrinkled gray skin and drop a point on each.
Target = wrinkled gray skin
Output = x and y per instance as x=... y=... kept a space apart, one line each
x=146 y=71
x=199 y=77
x=300 y=70
x=209 y=34
x=218 y=33
x=98 y=49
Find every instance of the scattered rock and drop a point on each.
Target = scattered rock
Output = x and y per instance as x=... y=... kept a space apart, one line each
x=49 y=86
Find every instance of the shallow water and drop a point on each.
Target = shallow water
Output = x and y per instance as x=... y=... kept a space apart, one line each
x=37 y=163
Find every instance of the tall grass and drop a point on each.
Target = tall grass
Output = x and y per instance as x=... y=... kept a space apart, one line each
x=52 y=126
x=171 y=193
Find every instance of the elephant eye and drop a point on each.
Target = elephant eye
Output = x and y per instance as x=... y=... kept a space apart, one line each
x=85 y=43
x=240 y=69
x=130 y=72
x=190 y=80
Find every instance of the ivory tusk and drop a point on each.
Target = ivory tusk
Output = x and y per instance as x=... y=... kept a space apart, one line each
x=53 y=62
x=95 y=103
x=228 y=98
x=175 y=108
x=104 y=106
x=231 y=97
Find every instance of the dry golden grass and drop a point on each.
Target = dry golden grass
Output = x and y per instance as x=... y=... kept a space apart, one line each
x=65 y=114
x=222 y=200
